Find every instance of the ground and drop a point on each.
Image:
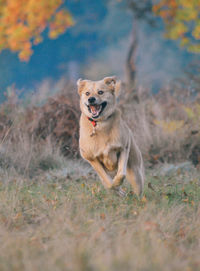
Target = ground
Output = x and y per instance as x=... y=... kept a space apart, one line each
x=63 y=219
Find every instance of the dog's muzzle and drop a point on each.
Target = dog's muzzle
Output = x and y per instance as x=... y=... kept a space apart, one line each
x=96 y=109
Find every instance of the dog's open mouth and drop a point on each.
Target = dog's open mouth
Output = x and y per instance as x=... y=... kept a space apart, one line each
x=96 y=109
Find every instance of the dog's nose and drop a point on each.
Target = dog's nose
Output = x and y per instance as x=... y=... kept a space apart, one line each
x=92 y=100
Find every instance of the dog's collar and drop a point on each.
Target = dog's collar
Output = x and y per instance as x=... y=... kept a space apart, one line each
x=94 y=122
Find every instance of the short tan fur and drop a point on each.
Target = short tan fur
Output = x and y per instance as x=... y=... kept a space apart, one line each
x=106 y=141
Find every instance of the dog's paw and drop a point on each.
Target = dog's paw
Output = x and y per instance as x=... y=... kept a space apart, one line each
x=120 y=191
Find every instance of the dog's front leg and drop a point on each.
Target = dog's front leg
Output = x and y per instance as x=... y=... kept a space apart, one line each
x=122 y=166
x=106 y=180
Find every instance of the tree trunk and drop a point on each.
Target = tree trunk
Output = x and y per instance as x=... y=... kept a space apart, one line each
x=130 y=63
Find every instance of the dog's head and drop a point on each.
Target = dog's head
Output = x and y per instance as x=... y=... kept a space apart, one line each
x=97 y=98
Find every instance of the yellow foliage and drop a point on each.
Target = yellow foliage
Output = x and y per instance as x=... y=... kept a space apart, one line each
x=193 y=113
x=181 y=18
x=23 y=21
x=189 y=112
x=170 y=126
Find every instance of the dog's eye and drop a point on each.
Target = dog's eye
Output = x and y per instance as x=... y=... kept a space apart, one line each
x=100 y=92
x=87 y=93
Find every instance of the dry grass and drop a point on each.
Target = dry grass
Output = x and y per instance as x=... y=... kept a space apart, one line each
x=55 y=214
x=55 y=222
x=42 y=119
x=164 y=128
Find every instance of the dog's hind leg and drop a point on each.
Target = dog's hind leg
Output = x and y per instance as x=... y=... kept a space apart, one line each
x=135 y=177
x=106 y=180
x=135 y=170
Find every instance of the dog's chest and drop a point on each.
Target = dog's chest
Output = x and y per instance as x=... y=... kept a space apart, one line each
x=107 y=152
x=105 y=145
x=109 y=158
x=103 y=149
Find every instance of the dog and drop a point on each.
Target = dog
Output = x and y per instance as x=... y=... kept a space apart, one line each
x=106 y=141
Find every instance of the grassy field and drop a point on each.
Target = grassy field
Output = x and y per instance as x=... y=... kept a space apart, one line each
x=54 y=212
x=65 y=220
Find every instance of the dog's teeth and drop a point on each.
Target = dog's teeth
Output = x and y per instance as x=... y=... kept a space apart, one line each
x=95 y=109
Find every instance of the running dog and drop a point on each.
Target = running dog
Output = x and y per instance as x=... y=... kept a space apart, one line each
x=106 y=141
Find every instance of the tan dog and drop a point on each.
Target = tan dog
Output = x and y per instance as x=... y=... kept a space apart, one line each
x=106 y=142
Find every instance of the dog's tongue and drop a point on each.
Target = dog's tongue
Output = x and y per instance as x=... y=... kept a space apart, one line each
x=94 y=109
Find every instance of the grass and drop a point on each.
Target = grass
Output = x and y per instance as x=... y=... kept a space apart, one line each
x=60 y=221
x=55 y=214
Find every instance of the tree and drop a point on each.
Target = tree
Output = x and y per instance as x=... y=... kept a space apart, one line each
x=142 y=10
x=182 y=21
x=22 y=23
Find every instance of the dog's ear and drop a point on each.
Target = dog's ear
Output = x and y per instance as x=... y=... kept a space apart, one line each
x=79 y=81
x=114 y=84
x=118 y=88
x=81 y=85
x=110 y=81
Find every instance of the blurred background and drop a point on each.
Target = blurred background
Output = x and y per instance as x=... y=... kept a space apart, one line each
x=152 y=46
x=98 y=44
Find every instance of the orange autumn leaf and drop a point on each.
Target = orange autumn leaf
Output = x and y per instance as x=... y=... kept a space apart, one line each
x=144 y=199
x=102 y=216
